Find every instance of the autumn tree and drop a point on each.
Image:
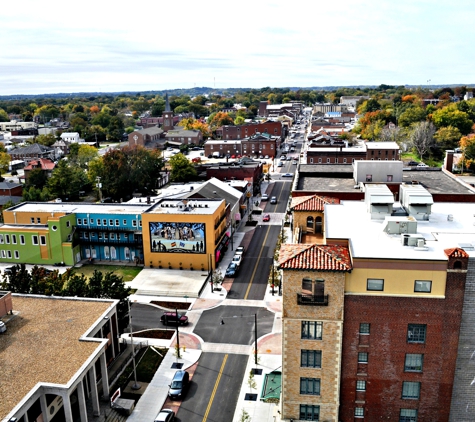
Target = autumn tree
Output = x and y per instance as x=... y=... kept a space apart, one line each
x=447 y=137
x=4 y=162
x=422 y=137
x=467 y=145
x=194 y=124
x=451 y=116
x=219 y=119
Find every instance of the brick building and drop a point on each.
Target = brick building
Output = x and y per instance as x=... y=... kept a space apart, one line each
x=228 y=132
x=258 y=144
x=377 y=321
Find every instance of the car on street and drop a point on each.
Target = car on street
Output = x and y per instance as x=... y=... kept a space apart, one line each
x=232 y=270
x=239 y=250
x=165 y=415
x=289 y=158
x=280 y=164
x=422 y=165
x=179 y=385
x=266 y=217
x=264 y=197
x=273 y=200
x=237 y=260
x=288 y=175
x=295 y=162
x=173 y=318
x=412 y=163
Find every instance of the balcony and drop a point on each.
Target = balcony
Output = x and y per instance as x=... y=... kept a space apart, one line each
x=312 y=300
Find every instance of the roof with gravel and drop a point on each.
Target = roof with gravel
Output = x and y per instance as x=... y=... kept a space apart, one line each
x=43 y=343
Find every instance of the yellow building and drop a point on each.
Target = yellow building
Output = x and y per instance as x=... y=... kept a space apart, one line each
x=185 y=234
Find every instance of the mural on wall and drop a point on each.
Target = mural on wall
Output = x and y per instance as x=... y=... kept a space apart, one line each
x=177 y=237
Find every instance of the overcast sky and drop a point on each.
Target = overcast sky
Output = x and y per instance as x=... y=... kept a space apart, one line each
x=54 y=46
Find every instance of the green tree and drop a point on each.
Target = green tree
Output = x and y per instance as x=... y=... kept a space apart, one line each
x=5 y=206
x=4 y=162
x=82 y=155
x=18 y=280
x=34 y=194
x=411 y=115
x=115 y=129
x=37 y=178
x=182 y=170
x=451 y=116
x=158 y=107
x=447 y=137
x=66 y=181
x=4 y=116
x=46 y=140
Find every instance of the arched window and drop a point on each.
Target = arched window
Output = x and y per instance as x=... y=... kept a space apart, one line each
x=307 y=285
x=113 y=252
x=106 y=252
x=457 y=265
x=318 y=225
x=127 y=252
x=310 y=222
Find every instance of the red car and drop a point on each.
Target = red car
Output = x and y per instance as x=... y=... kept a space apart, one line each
x=266 y=217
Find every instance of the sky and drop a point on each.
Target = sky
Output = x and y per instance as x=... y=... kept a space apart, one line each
x=54 y=46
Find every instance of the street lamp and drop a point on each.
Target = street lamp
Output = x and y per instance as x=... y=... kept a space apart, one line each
x=135 y=386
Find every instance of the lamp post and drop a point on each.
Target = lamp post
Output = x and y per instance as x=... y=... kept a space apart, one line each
x=177 y=336
x=135 y=386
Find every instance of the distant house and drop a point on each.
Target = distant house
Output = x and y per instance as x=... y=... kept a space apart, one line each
x=31 y=152
x=71 y=137
x=151 y=138
x=181 y=136
x=45 y=164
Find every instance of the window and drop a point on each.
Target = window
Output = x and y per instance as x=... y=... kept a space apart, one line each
x=22 y=240
x=140 y=223
x=408 y=415
x=423 y=286
x=364 y=328
x=416 y=333
x=310 y=386
x=311 y=358
x=34 y=239
x=307 y=285
x=43 y=240
x=362 y=357
x=411 y=390
x=3 y=253
x=86 y=235
x=360 y=385
x=312 y=330
x=98 y=221
x=375 y=284
x=336 y=160
x=78 y=221
x=359 y=412
x=311 y=160
x=319 y=161
x=9 y=254
x=124 y=222
x=134 y=223
x=14 y=239
x=1 y=238
x=112 y=236
x=309 y=412
x=38 y=220
x=413 y=362
x=111 y=222
x=32 y=219
x=344 y=160
x=7 y=239
x=68 y=223
x=104 y=222
x=100 y=235
x=16 y=254
x=328 y=160
x=369 y=177
x=390 y=177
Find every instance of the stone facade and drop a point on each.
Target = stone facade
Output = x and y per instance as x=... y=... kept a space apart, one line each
x=331 y=317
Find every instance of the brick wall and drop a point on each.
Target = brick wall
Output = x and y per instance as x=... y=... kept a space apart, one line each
x=387 y=345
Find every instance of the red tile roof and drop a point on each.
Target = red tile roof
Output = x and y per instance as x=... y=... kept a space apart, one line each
x=312 y=203
x=456 y=253
x=315 y=257
x=43 y=163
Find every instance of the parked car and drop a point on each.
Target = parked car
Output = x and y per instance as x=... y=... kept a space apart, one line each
x=273 y=200
x=289 y=158
x=237 y=260
x=172 y=318
x=295 y=162
x=412 y=163
x=422 y=165
x=3 y=327
x=239 y=250
x=280 y=164
x=264 y=197
x=266 y=217
x=165 y=415
x=232 y=270
x=288 y=175
x=179 y=385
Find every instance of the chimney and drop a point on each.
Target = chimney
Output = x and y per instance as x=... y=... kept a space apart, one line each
x=449 y=160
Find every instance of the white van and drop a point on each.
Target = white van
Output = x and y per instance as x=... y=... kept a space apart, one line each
x=216 y=154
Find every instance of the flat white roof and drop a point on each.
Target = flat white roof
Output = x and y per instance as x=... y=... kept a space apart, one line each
x=71 y=207
x=350 y=220
x=186 y=206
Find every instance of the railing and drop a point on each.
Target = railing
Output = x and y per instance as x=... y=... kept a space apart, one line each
x=312 y=300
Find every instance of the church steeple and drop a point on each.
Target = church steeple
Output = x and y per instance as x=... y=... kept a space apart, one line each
x=167 y=115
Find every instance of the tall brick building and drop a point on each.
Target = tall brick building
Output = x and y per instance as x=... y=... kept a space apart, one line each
x=377 y=321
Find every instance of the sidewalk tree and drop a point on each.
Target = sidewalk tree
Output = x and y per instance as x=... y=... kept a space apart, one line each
x=217 y=278
x=251 y=381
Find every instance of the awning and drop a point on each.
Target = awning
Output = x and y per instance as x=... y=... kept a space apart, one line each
x=271 y=387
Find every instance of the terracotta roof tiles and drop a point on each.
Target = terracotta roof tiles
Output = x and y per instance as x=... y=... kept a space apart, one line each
x=315 y=257
x=312 y=203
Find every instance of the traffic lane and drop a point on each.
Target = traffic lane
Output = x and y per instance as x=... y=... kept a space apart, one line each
x=145 y=316
x=214 y=389
x=238 y=327
x=255 y=267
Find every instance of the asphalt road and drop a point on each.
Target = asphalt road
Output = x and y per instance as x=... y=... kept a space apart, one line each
x=214 y=389
x=251 y=282
x=238 y=327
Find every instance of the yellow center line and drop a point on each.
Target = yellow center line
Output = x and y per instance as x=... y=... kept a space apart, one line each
x=257 y=263
x=215 y=388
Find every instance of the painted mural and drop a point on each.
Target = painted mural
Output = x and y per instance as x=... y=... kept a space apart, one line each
x=177 y=237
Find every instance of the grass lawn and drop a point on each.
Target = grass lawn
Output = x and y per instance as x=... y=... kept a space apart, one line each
x=128 y=273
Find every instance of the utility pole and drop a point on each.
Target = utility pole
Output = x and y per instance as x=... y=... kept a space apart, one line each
x=135 y=386
x=177 y=335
